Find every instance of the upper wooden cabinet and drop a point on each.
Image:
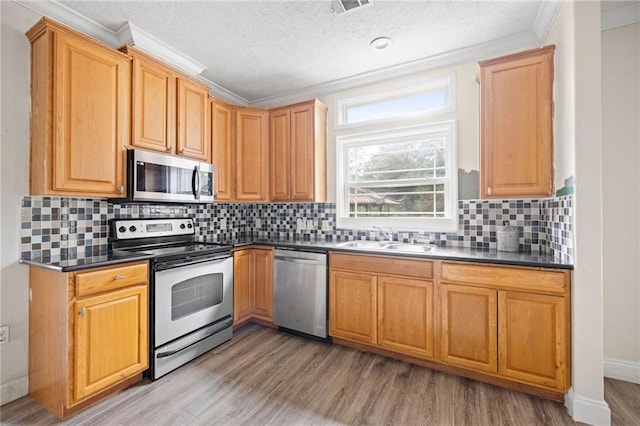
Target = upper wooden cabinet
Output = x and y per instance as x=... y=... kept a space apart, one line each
x=80 y=112
x=170 y=110
x=252 y=154
x=222 y=153
x=516 y=112
x=298 y=142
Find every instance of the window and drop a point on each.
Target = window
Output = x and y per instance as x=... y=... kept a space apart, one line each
x=420 y=99
x=400 y=177
x=395 y=168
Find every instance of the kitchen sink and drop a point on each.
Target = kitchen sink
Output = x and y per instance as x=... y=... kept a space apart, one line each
x=413 y=248
x=365 y=245
x=386 y=246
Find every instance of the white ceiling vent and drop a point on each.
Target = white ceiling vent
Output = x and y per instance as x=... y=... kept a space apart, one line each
x=341 y=6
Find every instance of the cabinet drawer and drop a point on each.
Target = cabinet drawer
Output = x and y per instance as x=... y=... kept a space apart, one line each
x=111 y=278
x=539 y=280
x=386 y=265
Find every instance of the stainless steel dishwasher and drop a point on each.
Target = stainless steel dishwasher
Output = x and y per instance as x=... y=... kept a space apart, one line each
x=300 y=291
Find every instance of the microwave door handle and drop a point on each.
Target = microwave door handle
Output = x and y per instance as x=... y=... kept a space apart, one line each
x=196 y=182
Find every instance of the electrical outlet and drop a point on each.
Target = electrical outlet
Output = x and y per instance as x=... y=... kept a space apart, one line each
x=4 y=334
x=310 y=225
x=326 y=226
x=257 y=223
x=300 y=225
x=223 y=224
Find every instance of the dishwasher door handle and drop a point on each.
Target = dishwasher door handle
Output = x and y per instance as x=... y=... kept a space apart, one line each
x=296 y=260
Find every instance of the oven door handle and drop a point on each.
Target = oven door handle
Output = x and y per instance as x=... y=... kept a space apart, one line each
x=196 y=182
x=228 y=322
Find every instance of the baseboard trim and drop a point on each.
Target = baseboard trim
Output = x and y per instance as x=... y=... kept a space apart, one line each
x=14 y=389
x=587 y=410
x=622 y=370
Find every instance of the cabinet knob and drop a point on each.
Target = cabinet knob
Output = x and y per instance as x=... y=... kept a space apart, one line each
x=181 y=150
x=82 y=312
x=121 y=189
x=119 y=277
x=489 y=191
x=169 y=148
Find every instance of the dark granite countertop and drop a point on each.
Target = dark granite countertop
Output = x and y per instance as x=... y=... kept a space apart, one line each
x=79 y=262
x=540 y=260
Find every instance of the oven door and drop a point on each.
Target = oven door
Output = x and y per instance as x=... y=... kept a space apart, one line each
x=190 y=297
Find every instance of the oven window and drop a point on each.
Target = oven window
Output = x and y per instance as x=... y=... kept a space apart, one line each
x=195 y=294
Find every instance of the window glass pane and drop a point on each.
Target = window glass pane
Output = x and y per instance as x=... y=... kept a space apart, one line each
x=397 y=106
x=403 y=201
x=396 y=161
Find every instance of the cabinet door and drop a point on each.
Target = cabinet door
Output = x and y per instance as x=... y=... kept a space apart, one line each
x=516 y=125
x=280 y=137
x=242 y=285
x=110 y=339
x=91 y=104
x=532 y=338
x=352 y=306
x=222 y=151
x=302 y=153
x=154 y=103
x=263 y=283
x=469 y=327
x=193 y=120
x=252 y=154
x=405 y=315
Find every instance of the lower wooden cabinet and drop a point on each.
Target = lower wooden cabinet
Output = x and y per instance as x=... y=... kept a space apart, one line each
x=507 y=325
x=253 y=284
x=387 y=311
x=88 y=334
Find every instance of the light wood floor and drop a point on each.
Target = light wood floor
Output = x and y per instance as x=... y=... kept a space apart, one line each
x=263 y=376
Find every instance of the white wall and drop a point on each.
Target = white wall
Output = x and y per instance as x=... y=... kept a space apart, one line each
x=621 y=157
x=576 y=33
x=467 y=116
x=14 y=281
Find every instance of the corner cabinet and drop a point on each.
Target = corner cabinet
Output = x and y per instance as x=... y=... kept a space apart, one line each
x=253 y=285
x=170 y=110
x=516 y=130
x=252 y=154
x=298 y=140
x=80 y=112
x=88 y=334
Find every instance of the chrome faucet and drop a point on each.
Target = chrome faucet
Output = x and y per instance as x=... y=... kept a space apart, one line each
x=387 y=235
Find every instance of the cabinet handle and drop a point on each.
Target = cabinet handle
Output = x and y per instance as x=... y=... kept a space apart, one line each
x=82 y=312
x=169 y=148
x=119 y=277
x=489 y=191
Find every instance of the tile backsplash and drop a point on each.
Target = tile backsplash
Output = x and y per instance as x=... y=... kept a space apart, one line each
x=54 y=226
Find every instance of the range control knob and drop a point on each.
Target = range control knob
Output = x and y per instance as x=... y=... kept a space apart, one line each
x=132 y=228
x=189 y=225
x=182 y=226
x=122 y=229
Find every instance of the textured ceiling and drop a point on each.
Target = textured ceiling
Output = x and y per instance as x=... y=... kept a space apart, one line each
x=259 y=49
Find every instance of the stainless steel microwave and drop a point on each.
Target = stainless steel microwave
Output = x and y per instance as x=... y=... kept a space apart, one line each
x=153 y=176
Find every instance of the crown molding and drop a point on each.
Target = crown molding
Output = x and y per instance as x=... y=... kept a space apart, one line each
x=620 y=17
x=135 y=36
x=73 y=19
x=521 y=41
x=547 y=14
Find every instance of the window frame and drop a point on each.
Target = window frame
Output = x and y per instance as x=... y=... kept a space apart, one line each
x=448 y=223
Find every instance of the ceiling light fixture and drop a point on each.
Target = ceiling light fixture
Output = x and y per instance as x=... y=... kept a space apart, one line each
x=380 y=43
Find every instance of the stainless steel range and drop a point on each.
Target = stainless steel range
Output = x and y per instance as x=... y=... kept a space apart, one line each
x=191 y=303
